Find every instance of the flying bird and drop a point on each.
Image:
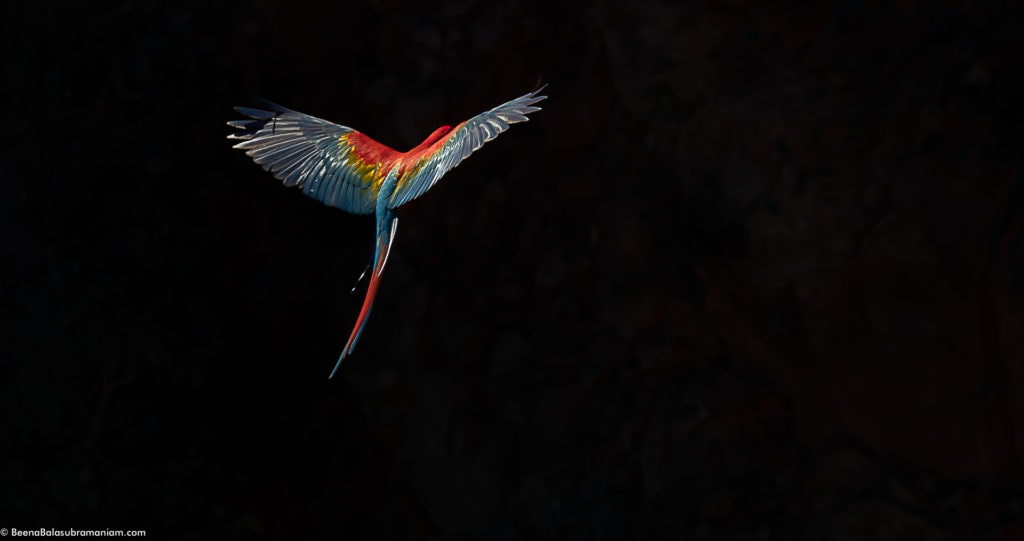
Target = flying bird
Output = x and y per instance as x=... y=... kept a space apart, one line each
x=344 y=168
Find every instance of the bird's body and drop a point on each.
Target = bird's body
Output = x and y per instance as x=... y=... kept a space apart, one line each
x=344 y=168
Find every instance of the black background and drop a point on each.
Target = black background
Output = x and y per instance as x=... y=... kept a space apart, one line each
x=754 y=273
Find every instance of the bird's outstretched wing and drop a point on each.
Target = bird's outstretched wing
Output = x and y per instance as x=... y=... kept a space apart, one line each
x=331 y=163
x=462 y=141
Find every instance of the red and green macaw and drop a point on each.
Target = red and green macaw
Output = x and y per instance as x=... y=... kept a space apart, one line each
x=344 y=168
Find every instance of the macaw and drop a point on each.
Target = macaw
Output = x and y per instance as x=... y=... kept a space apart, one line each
x=344 y=168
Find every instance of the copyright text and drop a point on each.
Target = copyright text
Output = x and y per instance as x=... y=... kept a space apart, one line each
x=69 y=532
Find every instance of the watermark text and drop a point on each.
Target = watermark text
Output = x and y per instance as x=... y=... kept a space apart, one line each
x=70 y=532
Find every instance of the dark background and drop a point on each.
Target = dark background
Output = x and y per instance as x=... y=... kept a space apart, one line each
x=754 y=273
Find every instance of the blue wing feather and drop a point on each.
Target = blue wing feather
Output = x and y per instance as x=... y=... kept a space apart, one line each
x=306 y=152
x=462 y=142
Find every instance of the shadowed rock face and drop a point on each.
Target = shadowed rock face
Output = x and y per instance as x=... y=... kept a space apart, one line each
x=753 y=271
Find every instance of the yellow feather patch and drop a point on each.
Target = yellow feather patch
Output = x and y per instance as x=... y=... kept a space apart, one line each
x=371 y=172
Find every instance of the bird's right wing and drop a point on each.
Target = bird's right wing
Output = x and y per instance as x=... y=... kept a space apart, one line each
x=331 y=163
x=462 y=141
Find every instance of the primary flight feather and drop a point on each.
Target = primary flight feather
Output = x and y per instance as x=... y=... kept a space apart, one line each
x=343 y=168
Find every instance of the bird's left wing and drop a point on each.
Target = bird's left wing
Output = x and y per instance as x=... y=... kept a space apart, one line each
x=462 y=141
x=327 y=161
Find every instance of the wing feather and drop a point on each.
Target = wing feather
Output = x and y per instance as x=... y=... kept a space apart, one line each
x=464 y=140
x=307 y=152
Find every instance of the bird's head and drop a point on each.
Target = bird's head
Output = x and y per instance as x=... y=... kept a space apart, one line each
x=436 y=135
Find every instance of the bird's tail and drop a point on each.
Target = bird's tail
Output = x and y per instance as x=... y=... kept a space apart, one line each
x=385 y=237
